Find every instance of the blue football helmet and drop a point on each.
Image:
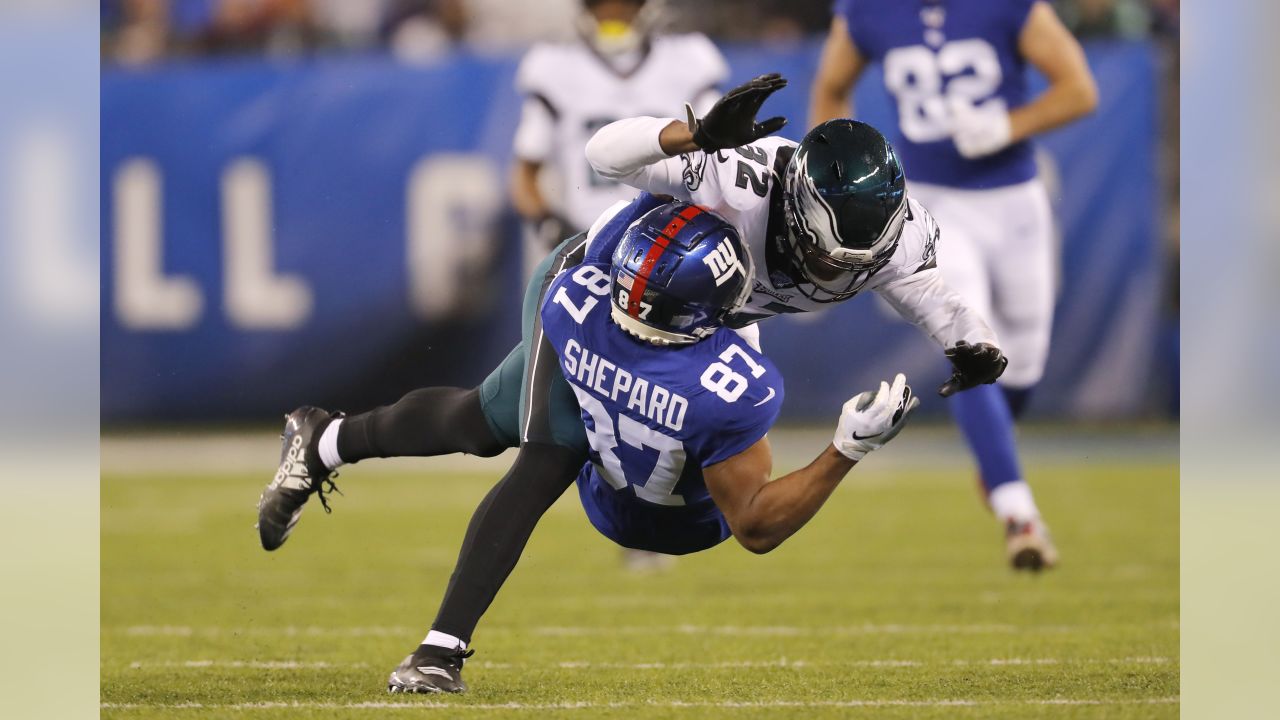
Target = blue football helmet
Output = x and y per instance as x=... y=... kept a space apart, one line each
x=677 y=272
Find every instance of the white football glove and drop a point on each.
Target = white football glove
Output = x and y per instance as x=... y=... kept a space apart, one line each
x=873 y=418
x=979 y=131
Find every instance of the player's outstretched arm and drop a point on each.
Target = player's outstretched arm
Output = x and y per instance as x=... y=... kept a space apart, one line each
x=631 y=152
x=930 y=304
x=762 y=514
x=638 y=151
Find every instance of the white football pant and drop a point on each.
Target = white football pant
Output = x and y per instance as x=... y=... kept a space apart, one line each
x=997 y=250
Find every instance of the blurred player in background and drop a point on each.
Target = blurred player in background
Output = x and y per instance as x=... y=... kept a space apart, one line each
x=675 y=405
x=617 y=67
x=965 y=119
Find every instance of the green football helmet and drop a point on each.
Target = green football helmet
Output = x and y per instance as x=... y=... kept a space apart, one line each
x=846 y=204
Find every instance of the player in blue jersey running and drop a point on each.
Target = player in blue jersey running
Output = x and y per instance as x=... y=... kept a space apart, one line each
x=676 y=406
x=957 y=69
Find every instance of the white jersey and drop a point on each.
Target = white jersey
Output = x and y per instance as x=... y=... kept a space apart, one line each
x=571 y=92
x=743 y=185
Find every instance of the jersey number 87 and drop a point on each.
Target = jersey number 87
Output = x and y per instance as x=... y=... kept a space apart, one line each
x=606 y=432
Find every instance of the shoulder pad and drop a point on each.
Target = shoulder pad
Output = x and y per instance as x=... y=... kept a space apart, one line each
x=539 y=68
x=917 y=250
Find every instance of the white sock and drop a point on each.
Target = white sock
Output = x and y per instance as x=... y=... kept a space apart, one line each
x=329 y=446
x=1012 y=500
x=444 y=640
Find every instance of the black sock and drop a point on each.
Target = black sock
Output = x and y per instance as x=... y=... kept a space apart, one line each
x=435 y=651
x=425 y=422
x=499 y=530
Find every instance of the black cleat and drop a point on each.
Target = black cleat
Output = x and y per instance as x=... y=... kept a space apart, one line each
x=300 y=474
x=430 y=669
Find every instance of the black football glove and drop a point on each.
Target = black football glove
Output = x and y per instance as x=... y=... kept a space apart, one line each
x=972 y=365
x=731 y=122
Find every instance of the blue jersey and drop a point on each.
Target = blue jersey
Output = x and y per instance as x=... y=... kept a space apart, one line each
x=655 y=416
x=605 y=239
x=935 y=54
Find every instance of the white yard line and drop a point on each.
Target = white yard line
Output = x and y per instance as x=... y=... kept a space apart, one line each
x=247 y=664
x=779 y=630
x=589 y=665
x=286 y=630
x=453 y=707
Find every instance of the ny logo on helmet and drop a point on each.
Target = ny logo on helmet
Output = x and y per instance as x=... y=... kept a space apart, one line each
x=724 y=262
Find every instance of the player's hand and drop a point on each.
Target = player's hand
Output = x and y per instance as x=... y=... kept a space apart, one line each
x=732 y=122
x=873 y=418
x=972 y=365
x=979 y=132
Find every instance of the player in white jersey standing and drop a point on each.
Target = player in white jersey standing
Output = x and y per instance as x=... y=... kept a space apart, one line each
x=965 y=118
x=616 y=67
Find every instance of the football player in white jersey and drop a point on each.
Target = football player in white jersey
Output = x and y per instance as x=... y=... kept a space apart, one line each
x=965 y=119
x=615 y=68
x=824 y=219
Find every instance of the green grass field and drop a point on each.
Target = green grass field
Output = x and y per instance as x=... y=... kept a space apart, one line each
x=894 y=602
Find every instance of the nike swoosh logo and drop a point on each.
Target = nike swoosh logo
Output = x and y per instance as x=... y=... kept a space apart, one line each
x=856 y=436
x=767 y=398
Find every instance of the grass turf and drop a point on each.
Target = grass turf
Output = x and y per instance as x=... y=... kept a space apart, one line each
x=893 y=603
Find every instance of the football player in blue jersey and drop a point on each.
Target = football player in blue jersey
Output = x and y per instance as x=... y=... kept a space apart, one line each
x=965 y=119
x=675 y=405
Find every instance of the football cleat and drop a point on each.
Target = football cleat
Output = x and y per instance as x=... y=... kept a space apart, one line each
x=300 y=474
x=430 y=669
x=1028 y=545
